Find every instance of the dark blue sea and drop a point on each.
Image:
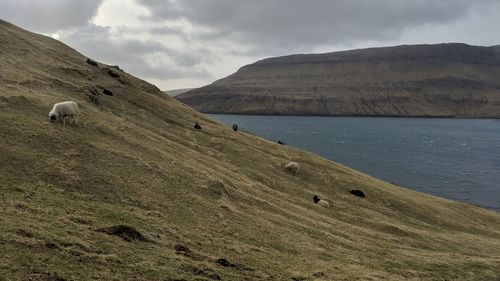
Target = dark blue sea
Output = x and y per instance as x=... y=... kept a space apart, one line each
x=452 y=158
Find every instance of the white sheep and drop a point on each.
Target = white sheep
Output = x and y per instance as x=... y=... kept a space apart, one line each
x=321 y=202
x=292 y=167
x=64 y=109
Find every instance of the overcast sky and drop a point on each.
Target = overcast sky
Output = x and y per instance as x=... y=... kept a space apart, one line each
x=191 y=43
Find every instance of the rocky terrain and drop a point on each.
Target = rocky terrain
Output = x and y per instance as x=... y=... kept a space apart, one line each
x=443 y=80
x=133 y=192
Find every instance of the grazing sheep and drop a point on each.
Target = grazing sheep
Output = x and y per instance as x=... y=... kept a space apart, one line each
x=321 y=202
x=281 y=142
x=197 y=126
x=357 y=192
x=64 y=109
x=235 y=127
x=292 y=167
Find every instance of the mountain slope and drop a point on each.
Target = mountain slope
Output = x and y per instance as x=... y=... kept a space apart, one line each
x=173 y=93
x=443 y=80
x=133 y=192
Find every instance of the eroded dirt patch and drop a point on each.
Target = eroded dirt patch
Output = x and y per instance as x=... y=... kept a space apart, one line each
x=125 y=232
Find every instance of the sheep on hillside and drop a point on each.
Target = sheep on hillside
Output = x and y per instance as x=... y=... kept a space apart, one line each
x=357 y=192
x=292 y=167
x=64 y=109
x=321 y=202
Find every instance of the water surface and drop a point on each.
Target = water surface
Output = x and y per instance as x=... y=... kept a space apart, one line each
x=453 y=158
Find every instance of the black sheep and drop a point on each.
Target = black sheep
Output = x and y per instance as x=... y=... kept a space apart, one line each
x=357 y=192
x=107 y=92
x=197 y=126
x=235 y=127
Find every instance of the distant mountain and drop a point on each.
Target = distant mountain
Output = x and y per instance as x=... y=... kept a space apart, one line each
x=176 y=92
x=443 y=80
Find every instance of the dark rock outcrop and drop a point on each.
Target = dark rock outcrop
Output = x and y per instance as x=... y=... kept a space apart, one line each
x=92 y=62
x=113 y=74
x=225 y=263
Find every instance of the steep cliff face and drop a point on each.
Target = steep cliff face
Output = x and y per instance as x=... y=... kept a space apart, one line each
x=455 y=80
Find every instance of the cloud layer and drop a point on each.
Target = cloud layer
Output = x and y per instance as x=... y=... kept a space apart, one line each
x=188 y=43
x=148 y=58
x=48 y=16
x=297 y=24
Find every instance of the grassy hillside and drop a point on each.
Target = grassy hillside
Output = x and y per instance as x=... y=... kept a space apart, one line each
x=133 y=192
x=443 y=80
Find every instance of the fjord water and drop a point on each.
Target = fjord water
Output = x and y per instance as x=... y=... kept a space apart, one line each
x=452 y=158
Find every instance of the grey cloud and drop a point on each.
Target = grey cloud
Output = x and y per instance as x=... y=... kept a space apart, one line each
x=297 y=24
x=168 y=30
x=132 y=54
x=167 y=72
x=138 y=47
x=49 y=15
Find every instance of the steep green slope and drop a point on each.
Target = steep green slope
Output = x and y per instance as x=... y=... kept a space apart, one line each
x=443 y=80
x=209 y=205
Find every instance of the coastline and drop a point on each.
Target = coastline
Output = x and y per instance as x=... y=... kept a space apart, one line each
x=358 y=115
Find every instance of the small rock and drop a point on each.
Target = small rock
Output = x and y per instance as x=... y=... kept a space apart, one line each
x=225 y=263
x=94 y=97
x=46 y=276
x=182 y=248
x=197 y=126
x=51 y=245
x=319 y=274
x=235 y=127
x=24 y=233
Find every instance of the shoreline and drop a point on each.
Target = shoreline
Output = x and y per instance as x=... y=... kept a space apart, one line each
x=358 y=115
